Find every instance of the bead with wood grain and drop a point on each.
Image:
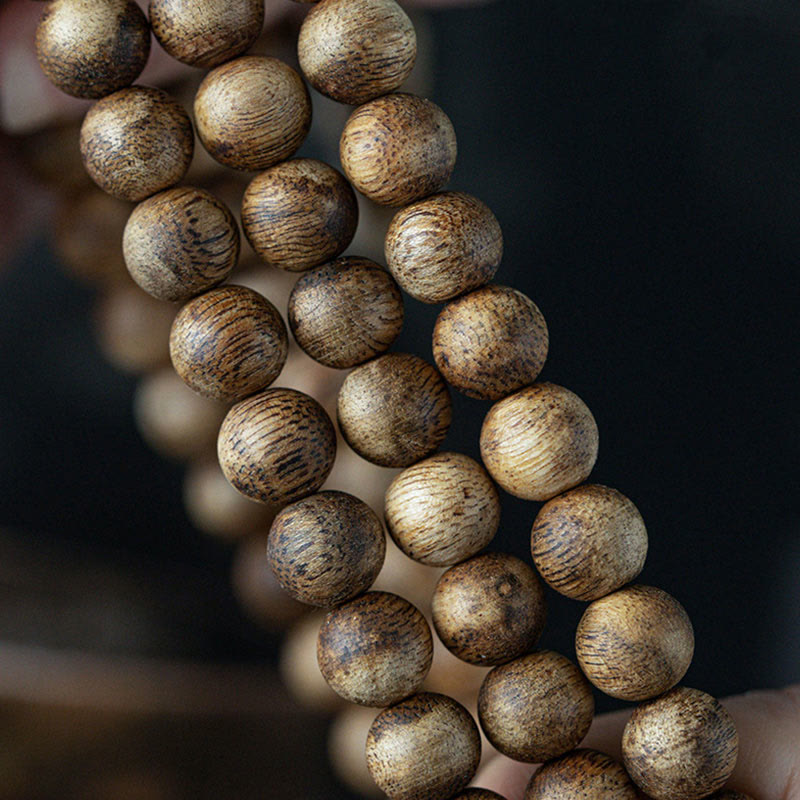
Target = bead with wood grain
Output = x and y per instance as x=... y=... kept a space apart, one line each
x=585 y=774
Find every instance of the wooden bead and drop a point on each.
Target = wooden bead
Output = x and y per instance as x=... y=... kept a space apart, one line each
x=490 y=342
x=584 y=774
x=398 y=148
x=539 y=442
x=681 y=746
x=394 y=410
x=180 y=243
x=635 y=643
x=356 y=50
x=252 y=112
x=443 y=246
x=589 y=542
x=205 y=33
x=489 y=609
x=537 y=707
x=299 y=214
x=375 y=650
x=443 y=509
x=478 y=794
x=424 y=748
x=136 y=142
x=91 y=49
x=277 y=446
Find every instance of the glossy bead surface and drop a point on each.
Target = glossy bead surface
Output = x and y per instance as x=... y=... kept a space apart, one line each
x=583 y=774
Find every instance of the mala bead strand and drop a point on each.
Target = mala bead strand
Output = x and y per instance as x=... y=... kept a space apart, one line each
x=585 y=774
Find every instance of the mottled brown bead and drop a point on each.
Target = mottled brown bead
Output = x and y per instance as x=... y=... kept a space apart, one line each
x=425 y=748
x=681 y=746
x=252 y=112
x=537 y=707
x=443 y=246
x=356 y=50
x=477 y=794
x=398 y=148
x=89 y=48
x=636 y=643
x=136 y=142
x=539 y=442
x=581 y=775
x=205 y=33
x=375 y=650
x=180 y=242
x=589 y=542
x=394 y=410
x=299 y=214
x=277 y=446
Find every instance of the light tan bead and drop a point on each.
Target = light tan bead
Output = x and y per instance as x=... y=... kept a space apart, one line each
x=581 y=775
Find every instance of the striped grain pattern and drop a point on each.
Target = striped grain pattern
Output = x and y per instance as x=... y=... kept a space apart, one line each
x=581 y=775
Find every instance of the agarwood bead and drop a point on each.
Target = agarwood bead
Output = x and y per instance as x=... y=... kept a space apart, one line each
x=375 y=650
x=252 y=112
x=636 y=643
x=299 y=214
x=443 y=246
x=581 y=775
x=537 y=707
x=346 y=312
x=205 y=33
x=477 y=794
x=394 y=410
x=356 y=50
x=398 y=148
x=277 y=446
x=589 y=542
x=136 y=142
x=539 y=442
x=89 y=48
x=443 y=509
x=680 y=746
x=489 y=609
x=180 y=242
x=424 y=748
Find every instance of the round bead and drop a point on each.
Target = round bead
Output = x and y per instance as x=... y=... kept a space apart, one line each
x=584 y=774
x=681 y=746
x=539 y=442
x=90 y=49
x=136 y=142
x=423 y=748
x=299 y=214
x=326 y=548
x=375 y=650
x=252 y=112
x=489 y=609
x=442 y=510
x=277 y=446
x=180 y=242
x=205 y=33
x=443 y=246
x=356 y=50
x=490 y=342
x=394 y=410
x=398 y=148
x=536 y=708
x=589 y=542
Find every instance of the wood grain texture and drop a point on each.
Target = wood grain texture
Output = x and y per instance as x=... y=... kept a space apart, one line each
x=581 y=775
x=537 y=707
x=425 y=748
x=375 y=650
x=681 y=746
x=443 y=246
x=277 y=446
x=398 y=148
x=356 y=50
x=490 y=609
x=91 y=49
x=180 y=242
x=589 y=542
x=299 y=214
x=252 y=112
x=394 y=410
x=636 y=643
x=136 y=142
x=539 y=442
x=443 y=509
